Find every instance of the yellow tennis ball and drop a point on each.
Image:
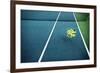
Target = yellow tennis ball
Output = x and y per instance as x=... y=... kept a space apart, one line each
x=71 y=33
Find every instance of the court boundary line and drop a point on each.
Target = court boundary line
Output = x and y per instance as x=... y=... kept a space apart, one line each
x=44 y=49
x=82 y=36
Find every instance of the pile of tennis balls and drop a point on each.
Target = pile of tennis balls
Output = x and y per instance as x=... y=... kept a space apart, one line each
x=71 y=33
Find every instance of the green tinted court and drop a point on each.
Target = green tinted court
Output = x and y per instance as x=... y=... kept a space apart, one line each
x=43 y=36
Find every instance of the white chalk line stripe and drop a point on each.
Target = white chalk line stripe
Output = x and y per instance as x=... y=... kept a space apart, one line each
x=81 y=35
x=44 y=49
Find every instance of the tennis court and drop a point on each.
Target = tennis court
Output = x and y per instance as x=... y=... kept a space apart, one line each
x=43 y=36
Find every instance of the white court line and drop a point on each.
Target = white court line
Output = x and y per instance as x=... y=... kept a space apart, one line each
x=81 y=35
x=44 y=49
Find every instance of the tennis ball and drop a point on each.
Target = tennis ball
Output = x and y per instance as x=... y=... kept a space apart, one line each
x=71 y=33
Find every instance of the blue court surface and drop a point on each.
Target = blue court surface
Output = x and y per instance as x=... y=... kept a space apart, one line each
x=41 y=43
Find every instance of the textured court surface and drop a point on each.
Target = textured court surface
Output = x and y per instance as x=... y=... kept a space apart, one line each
x=36 y=27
